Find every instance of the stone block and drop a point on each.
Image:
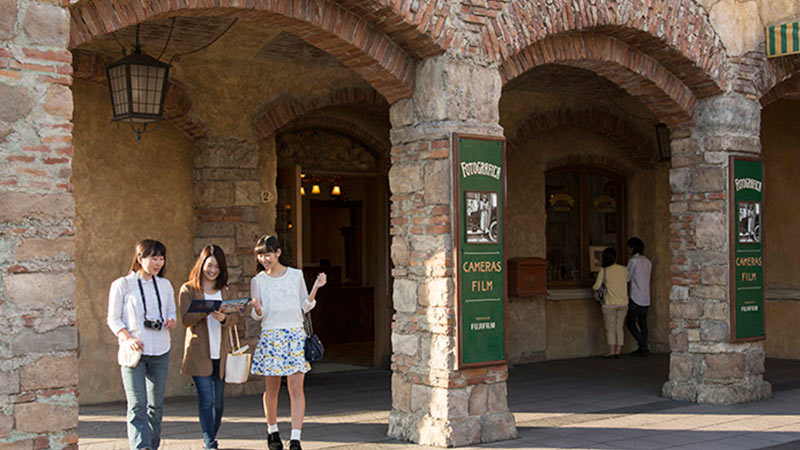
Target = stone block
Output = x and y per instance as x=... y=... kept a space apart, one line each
x=498 y=427
x=226 y=153
x=46 y=25
x=400 y=251
x=717 y=394
x=716 y=311
x=685 y=310
x=215 y=229
x=405 y=295
x=17 y=100
x=247 y=234
x=437 y=292
x=50 y=372
x=29 y=341
x=437 y=182
x=9 y=382
x=498 y=402
x=709 y=292
x=38 y=417
x=401 y=393
x=754 y=362
x=679 y=293
x=451 y=404
x=405 y=344
x=401 y=113
x=680 y=390
x=728 y=115
x=715 y=157
x=442 y=352
x=479 y=400
x=6 y=425
x=405 y=178
x=714 y=275
x=714 y=331
x=679 y=180
x=678 y=342
x=62 y=247
x=693 y=335
x=431 y=245
x=247 y=193
x=40 y=290
x=711 y=231
x=433 y=431
x=213 y=194
x=8 y=18
x=464 y=432
x=15 y=207
x=708 y=179
x=680 y=367
x=58 y=101
x=724 y=365
x=420 y=398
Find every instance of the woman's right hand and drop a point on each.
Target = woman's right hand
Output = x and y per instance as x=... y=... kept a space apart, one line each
x=256 y=304
x=134 y=344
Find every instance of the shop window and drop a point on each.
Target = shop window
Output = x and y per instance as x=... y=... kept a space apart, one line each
x=585 y=209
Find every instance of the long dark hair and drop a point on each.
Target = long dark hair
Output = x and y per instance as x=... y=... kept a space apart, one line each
x=196 y=275
x=268 y=244
x=149 y=247
x=609 y=256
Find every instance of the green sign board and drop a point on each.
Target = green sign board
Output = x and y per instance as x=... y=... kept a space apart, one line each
x=479 y=174
x=747 y=248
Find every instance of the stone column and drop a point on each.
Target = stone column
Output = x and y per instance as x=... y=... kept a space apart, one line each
x=38 y=337
x=704 y=366
x=432 y=402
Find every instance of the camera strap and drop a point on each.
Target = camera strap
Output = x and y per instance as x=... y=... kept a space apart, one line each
x=158 y=297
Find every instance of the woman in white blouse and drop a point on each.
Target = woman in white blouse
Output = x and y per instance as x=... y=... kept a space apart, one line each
x=280 y=299
x=141 y=311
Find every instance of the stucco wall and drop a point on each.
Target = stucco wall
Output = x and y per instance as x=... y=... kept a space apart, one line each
x=780 y=141
x=542 y=328
x=124 y=191
x=740 y=23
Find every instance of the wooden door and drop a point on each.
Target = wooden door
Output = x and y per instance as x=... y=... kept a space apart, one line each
x=289 y=218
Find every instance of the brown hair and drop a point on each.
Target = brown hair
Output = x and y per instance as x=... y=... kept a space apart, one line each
x=149 y=247
x=196 y=275
x=268 y=244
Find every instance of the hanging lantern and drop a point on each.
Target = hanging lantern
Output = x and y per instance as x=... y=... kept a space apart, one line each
x=315 y=189
x=336 y=190
x=302 y=190
x=138 y=86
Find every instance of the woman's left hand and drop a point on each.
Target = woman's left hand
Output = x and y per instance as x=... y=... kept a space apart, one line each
x=169 y=324
x=321 y=280
x=218 y=315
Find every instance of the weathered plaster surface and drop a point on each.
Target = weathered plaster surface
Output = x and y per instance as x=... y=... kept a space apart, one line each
x=124 y=191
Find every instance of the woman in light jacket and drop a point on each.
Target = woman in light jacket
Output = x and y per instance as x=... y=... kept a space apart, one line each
x=207 y=341
x=615 y=305
x=141 y=312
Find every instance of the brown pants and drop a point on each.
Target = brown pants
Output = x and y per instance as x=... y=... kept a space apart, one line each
x=614 y=318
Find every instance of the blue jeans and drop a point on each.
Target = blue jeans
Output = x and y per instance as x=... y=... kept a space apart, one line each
x=144 y=390
x=210 y=404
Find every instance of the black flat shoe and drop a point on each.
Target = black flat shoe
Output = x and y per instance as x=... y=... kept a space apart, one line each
x=274 y=441
x=294 y=444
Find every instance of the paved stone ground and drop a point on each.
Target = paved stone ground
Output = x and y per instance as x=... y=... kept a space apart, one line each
x=589 y=403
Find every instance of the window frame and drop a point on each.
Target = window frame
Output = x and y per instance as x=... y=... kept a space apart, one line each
x=584 y=203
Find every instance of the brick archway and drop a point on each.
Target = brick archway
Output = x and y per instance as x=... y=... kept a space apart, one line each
x=682 y=39
x=600 y=121
x=663 y=93
x=178 y=104
x=370 y=50
x=345 y=127
x=280 y=112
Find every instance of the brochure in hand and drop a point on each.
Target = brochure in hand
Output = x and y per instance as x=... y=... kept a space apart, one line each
x=226 y=306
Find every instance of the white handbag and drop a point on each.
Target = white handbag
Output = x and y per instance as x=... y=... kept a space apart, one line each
x=237 y=364
x=125 y=356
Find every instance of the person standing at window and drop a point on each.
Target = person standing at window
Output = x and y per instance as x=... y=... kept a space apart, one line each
x=207 y=343
x=144 y=301
x=280 y=299
x=639 y=268
x=616 y=300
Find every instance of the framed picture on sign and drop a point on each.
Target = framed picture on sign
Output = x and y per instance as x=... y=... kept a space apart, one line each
x=596 y=257
x=480 y=217
x=748 y=220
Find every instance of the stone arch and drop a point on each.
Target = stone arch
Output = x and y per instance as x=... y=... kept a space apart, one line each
x=368 y=50
x=600 y=121
x=640 y=75
x=345 y=127
x=784 y=79
x=285 y=109
x=178 y=104
x=586 y=159
x=681 y=39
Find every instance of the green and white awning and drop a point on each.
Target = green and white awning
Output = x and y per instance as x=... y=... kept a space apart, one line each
x=783 y=39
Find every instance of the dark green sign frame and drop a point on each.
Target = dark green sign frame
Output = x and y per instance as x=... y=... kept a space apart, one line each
x=479 y=196
x=746 y=209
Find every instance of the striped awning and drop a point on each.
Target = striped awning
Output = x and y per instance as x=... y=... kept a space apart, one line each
x=783 y=39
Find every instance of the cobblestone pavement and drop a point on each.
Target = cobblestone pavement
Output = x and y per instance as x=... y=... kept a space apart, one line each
x=588 y=403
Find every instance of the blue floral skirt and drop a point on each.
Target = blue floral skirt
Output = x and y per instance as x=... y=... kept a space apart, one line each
x=280 y=352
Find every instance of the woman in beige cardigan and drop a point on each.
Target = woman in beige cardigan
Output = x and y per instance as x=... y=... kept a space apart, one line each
x=207 y=342
x=615 y=302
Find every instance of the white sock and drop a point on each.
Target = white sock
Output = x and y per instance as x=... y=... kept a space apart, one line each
x=272 y=428
x=295 y=434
